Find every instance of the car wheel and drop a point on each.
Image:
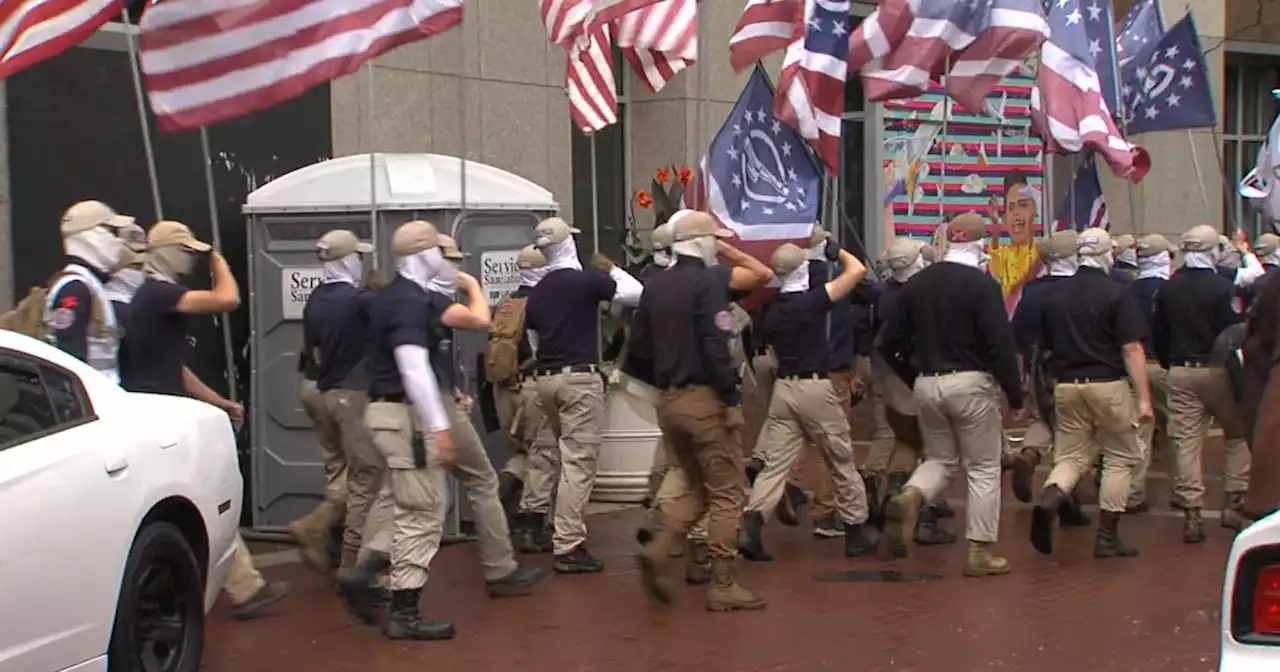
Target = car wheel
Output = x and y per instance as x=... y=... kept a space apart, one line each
x=159 y=623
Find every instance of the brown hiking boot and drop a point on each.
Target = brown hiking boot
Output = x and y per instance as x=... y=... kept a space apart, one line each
x=725 y=594
x=312 y=543
x=900 y=517
x=1192 y=526
x=1024 y=470
x=697 y=564
x=983 y=563
x=1233 y=512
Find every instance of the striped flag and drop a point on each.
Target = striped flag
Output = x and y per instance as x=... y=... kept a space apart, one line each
x=37 y=30
x=810 y=95
x=589 y=83
x=1085 y=207
x=1067 y=107
x=905 y=44
x=606 y=11
x=659 y=40
x=765 y=26
x=207 y=61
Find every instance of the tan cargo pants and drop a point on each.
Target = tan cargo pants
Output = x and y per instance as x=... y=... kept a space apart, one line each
x=243 y=579
x=509 y=403
x=366 y=467
x=824 y=489
x=1093 y=418
x=574 y=408
x=1148 y=440
x=883 y=441
x=542 y=467
x=960 y=423
x=807 y=411
x=1197 y=394
x=332 y=510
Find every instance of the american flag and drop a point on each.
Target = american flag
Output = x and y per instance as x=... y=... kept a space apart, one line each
x=765 y=26
x=589 y=83
x=36 y=30
x=207 y=61
x=1067 y=108
x=905 y=44
x=659 y=40
x=810 y=94
x=605 y=11
x=1085 y=207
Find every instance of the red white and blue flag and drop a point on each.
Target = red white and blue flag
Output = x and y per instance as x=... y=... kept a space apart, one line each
x=906 y=44
x=765 y=27
x=35 y=30
x=1085 y=207
x=810 y=94
x=659 y=40
x=1067 y=107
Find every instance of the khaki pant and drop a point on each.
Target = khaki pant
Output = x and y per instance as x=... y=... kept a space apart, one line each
x=366 y=469
x=1093 y=418
x=574 y=409
x=380 y=524
x=542 y=466
x=757 y=393
x=243 y=579
x=1195 y=395
x=883 y=441
x=807 y=411
x=331 y=511
x=824 y=490
x=706 y=480
x=509 y=403
x=420 y=494
x=1147 y=436
x=908 y=447
x=959 y=415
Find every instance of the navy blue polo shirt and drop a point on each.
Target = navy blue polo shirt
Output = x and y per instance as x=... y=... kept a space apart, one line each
x=1144 y=294
x=443 y=363
x=335 y=323
x=796 y=327
x=401 y=314
x=155 y=351
x=563 y=310
x=841 y=336
x=1026 y=317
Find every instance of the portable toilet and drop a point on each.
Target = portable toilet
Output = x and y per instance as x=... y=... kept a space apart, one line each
x=285 y=218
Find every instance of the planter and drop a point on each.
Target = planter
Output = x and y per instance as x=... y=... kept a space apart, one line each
x=630 y=437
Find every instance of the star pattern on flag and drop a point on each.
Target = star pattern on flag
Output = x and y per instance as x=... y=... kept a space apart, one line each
x=752 y=150
x=1170 y=88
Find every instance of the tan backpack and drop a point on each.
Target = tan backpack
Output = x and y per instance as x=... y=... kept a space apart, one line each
x=502 y=356
x=28 y=316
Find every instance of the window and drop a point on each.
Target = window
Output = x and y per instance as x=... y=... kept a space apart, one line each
x=1250 y=110
x=610 y=182
x=37 y=399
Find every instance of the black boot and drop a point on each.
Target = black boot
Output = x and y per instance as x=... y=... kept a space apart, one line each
x=1071 y=513
x=751 y=540
x=942 y=509
x=357 y=586
x=1044 y=516
x=896 y=481
x=755 y=465
x=534 y=535
x=510 y=489
x=927 y=531
x=860 y=540
x=404 y=621
x=1108 y=544
x=871 y=482
x=517 y=582
x=788 y=511
x=1024 y=469
x=577 y=561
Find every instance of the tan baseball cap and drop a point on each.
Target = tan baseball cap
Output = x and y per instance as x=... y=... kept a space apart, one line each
x=340 y=243
x=170 y=233
x=1152 y=244
x=902 y=253
x=663 y=236
x=696 y=225
x=1266 y=243
x=414 y=237
x=1059 y=245
x=450 y=248
x=787 y=258
x=1201 y=238
x=929 y=252
x=551 y=231
x=1123 y=242
x=967 y=228
x=134 y=236
x=86 y=215
x=1094 y=242
x=817 y=235
x=530 y=257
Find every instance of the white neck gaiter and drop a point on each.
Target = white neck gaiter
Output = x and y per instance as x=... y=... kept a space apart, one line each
x=347 y=269
x=170 y=263
x=99 y=247
x=703 y=248
x=1102 y=262
x=1129 y=256
x=973 y=253
x=797 y=280
x=124 y=283
x=663 y=258
x=1272 y=259
x=1230 y=259
x=530 y=277
x=1154 y=266
x=447 y=281
x=1207 y=260
x=1063 y=268
x=421 y=267
x=562 y=255
x=902 y=275
x=817 y=252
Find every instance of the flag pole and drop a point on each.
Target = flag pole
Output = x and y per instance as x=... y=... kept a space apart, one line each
x=132 y=41
x=702 y=87
x=942 y=142
x=1046 y=225
x=1195 y=161
x=373 y=170
x=1071 y=190
x=224 y=318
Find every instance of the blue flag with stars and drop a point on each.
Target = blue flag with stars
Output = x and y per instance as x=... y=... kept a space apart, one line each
x=1143 y=25
x=762 y=181
x=1169 y=86
x=1098 y=29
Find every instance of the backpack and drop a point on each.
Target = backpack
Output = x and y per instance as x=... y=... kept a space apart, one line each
x=502 y=356
x=28 y=316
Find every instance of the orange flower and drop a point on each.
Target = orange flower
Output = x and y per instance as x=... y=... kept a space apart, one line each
x=685 y=176
x=663 y=175
x=643 y=199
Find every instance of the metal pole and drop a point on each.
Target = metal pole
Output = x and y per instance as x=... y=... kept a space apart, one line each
x=1204 y=195
x=702 y=89
x=1047 y=183
x=132 y=41
x=224 y=318
x=373 y=173
x=1071 y=190
x=595 y=199
x=1228 y=190
x=942 y=168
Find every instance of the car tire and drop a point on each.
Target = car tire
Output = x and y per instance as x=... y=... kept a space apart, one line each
x=159 y=624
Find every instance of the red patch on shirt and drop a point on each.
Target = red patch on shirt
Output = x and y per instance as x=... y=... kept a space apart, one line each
x=69 y=302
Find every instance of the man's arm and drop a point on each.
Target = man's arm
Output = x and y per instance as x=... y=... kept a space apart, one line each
x=1160 y=330
x=224 y=297
x=712 y=327
x=746 y=272
x=851 y=273
x=993 y=323
x=475 y=315
x=195 y=387
x=1131 y=329
x=69 y=318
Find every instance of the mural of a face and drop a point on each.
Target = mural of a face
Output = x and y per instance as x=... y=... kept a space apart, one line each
x=1020 y=214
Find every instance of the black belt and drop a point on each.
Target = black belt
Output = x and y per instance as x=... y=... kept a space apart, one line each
x=760 y=352
x=388 y=399
x=802 y=376
x=945 y=372
x=575 y=368
x=1086 y=381
x=1191 y=365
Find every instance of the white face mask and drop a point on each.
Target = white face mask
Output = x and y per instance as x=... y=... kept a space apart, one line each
x=349 y=269
x=1272 y=259
x=530 y=277
x=422 y=267
x=447 y=281
x=902 y=275
x=972 y=253
x=1154 y=266
x=100 y=247
x=125 y=283
x=703 y=247
x=662 y=258
x=1200 y=259
x=1063 y=268
x=817 y=252
x=1128 y=256
x=797 y=280
x=1102 y=262
x=562 y=255
x=1230 y=259
x=170 y=263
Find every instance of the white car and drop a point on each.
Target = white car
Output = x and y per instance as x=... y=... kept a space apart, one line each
x=1251 y=600
x=118 y=518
